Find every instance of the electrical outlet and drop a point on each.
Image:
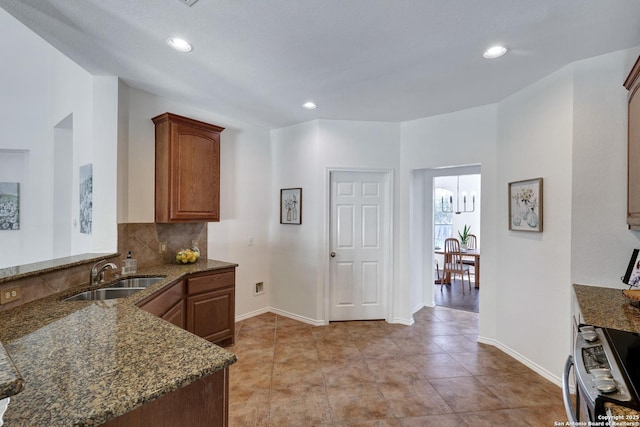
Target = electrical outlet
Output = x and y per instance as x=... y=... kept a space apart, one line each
x=163 y=247
x=259 y=289
x=9 y=295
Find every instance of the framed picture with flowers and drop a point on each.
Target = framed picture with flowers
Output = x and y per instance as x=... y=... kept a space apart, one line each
x=291 y=206
x=525 y=205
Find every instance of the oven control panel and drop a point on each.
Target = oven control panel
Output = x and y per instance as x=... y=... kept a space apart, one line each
x=596 y=370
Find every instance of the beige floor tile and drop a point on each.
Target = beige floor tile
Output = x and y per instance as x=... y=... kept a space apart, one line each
x=370 y=423
x=412 y=346
x=509 y=387
x=440 y=365
x=358 y=403
x=347 y=374
x=378 y=348
x=488 y=363
x=455 y=344
x=299 y=407
x=413 y=399
x=300 y=351
x=496 y=418
x=296 y=374
x=451 y=420
x=249 y=408
x=249 y=353
x=249 y=376
x=467 y=394
x=336 y=351
x=399 y=369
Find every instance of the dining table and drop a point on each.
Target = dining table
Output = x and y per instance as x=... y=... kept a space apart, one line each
x=467 y=255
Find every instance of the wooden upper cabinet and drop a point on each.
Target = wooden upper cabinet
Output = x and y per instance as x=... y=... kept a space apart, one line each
x=633 y=172
x=187 y=169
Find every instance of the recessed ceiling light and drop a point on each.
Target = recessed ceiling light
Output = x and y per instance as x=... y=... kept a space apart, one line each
x=494 y=52
x=309 y=105
x=179 y=44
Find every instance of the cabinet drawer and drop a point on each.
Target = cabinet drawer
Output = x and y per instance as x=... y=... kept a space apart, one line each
x=196 y=285
x=161 y=302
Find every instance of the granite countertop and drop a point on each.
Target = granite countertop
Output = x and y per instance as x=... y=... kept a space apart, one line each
x=621 y=416
x=11 y=381
x=607 y=308
x=9 y=274
x=86 y=362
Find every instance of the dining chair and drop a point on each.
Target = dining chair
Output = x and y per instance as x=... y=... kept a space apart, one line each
x=453 y=262
x=472 y=243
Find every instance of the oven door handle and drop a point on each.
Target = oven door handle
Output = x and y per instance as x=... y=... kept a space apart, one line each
x=566 y=392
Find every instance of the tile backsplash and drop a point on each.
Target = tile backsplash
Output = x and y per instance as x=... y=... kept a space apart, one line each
x=143 y=240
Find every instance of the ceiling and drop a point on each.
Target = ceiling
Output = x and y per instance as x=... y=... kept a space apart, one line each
x=383 y=60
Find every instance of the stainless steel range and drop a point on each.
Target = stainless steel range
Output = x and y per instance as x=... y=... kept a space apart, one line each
x=606 y=364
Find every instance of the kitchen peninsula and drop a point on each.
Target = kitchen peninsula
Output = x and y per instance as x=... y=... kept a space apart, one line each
x=96 y=362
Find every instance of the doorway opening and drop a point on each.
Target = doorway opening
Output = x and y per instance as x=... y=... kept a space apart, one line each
x=62 y=186
x=456 y=215
x=427 y=230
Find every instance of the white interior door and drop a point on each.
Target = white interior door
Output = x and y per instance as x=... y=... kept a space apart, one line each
x=358 y=242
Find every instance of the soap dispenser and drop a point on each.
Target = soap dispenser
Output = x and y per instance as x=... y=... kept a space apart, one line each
x=129 y=265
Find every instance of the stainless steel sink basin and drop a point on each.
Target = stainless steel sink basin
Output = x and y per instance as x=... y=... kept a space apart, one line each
x=136 y=282
x=103 y=294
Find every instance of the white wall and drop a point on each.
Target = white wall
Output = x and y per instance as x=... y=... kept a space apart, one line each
x=302 y=156
x=295 y=266
x=601 y=243
x=463 y=138
x=533 y=278
x=245 y=200
x=38 y=90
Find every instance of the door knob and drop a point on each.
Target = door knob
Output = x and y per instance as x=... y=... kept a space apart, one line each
x=333 y=254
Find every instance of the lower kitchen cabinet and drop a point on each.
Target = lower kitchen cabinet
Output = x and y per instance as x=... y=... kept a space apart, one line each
x=201 y=403
x=203 y=304
x=211 y=306
x=168 y=304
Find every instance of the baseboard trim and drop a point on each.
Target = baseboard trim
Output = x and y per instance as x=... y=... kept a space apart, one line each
x=252 y=314
x=520 y=358
x=400 y=321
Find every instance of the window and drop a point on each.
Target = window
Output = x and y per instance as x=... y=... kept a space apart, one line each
x=442 y=216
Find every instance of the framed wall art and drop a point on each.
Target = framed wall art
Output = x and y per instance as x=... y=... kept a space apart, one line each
x=86 y=198
x=291 y=206
x=525 y=205
x=9 y=206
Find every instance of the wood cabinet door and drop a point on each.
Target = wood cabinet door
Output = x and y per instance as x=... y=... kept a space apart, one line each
x=634 y=161
x=175 y=315
x=210 y=315
x=633 y=170
x=187 y=169
x=195 y=173
x=165 y=300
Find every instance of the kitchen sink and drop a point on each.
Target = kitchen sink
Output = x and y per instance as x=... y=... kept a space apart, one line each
x=136 y=282
x=103 y=294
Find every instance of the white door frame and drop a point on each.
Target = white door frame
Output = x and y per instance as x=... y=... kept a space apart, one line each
x=388 y=233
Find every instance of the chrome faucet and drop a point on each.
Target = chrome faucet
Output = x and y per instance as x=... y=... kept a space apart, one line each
x=97 y=274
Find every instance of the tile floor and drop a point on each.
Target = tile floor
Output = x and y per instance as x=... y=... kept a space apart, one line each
x=433 y=373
